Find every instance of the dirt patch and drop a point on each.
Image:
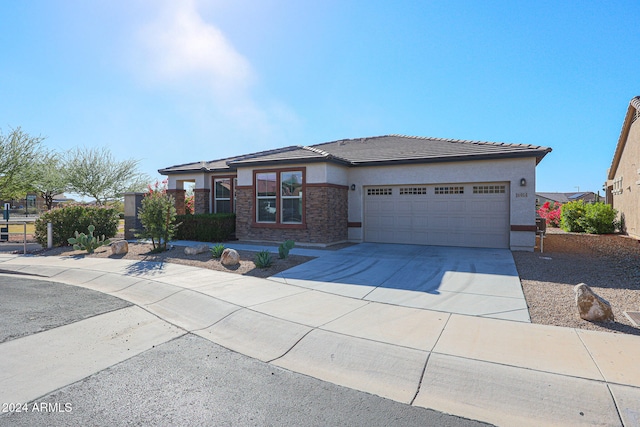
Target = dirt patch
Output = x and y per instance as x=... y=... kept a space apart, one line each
x=609 y=264
x=142 y=252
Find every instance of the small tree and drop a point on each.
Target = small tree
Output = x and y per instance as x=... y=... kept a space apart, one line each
x=93 y=172
x=19 y=151
x=50 y=177
x=157 y=215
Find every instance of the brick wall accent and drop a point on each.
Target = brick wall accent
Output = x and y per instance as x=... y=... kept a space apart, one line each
x=326 y=217
x=178 y=195
x=201 y=200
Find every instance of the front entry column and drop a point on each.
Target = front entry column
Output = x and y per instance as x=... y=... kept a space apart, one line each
x=201 y=201
x=178 y=195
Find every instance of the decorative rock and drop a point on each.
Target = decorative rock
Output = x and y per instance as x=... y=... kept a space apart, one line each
x=120 y=247
x=591 y=306
x=195 y=250
x=230 y=257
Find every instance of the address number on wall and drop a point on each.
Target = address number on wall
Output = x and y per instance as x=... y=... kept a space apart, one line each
x=521 y=195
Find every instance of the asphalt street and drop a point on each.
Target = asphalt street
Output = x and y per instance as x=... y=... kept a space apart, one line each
x=186 y=381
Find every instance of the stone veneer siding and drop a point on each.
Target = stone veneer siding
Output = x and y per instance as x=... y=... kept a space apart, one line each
x=132 y=204
x=326 y=217
x=201 y=200
x=178 y=195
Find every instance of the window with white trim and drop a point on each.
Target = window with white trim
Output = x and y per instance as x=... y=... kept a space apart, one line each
x=222 y=195
x=449 y=190
x=412 y=190
x=291 y=197
x=266 y=203
x=379 y=191
x=279 y=197
x=489 y=189
x=617 y=186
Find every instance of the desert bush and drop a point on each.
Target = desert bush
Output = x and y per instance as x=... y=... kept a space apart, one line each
x=599 y=218
x=88 y=242
x=550 y=212
x=157 y=214
x=594 y=218
x=68 y=219
x=284 y=248
x=217 y=250
x=263 y=259
x=570 y=215
x=206 y=227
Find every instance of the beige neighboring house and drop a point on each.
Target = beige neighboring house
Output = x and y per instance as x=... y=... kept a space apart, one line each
x=386 y=189
x=623 y=180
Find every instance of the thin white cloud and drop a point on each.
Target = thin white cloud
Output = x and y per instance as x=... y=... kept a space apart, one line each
x=179 y=47
x=179 y=51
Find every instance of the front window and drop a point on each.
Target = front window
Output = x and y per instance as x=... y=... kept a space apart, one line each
x=279 y=197
x=266 y=194
x=291 y=194
x=222 y=195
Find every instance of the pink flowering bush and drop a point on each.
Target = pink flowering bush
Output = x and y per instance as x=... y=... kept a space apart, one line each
x=188 y=204
x=551 y=213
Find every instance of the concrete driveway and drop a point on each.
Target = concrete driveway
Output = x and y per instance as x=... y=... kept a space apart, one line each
x=473 y=281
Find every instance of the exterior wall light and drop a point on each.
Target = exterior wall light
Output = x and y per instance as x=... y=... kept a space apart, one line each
x=523 y=182
x=353 y=187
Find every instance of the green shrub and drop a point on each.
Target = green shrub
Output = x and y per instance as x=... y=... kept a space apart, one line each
x=206 y=227
x=594 y=218
x=158 y=217
x=67 y=219
x=284 y=248
x=87 y=242
x=570 y=216
x=217 y=250
x=599 y=218
x=263 y=259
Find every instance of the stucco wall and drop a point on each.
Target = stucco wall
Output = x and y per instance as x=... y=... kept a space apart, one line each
x=628 y=201
x=521 y=202
x=316 y=173
x=201 y=180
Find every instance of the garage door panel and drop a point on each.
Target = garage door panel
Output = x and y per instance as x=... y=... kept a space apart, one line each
x=454 y=216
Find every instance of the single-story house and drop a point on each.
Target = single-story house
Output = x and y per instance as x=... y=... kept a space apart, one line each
x=562 y=198
x=623 y=177
x=389 y=189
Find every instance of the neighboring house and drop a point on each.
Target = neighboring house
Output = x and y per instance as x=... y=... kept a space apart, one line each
x=623 y=179
x=34 y=203
x=562 y=198
x=389 y=189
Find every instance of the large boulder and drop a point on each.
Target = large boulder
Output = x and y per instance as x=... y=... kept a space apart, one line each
x=197 y=249
x=120 y=247
x=230 y=257
x=591 y=306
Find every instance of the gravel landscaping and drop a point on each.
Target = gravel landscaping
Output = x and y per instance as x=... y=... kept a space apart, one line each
x=142 y=252
x=609 y=264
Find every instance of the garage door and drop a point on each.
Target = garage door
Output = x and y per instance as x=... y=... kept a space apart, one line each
x=473 y=215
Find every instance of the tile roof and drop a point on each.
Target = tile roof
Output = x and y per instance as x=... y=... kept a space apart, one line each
x=378 y=150
x=633 y=112
x=569 y=197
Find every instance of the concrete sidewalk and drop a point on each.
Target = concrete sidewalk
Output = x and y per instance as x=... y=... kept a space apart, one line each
x=502 y=372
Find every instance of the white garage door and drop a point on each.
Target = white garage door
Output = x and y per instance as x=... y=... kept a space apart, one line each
x=473 y=215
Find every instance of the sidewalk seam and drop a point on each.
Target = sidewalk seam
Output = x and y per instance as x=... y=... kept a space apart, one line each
x=426 y=362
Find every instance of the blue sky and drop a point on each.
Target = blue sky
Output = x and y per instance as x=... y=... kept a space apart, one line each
x=171 y=82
